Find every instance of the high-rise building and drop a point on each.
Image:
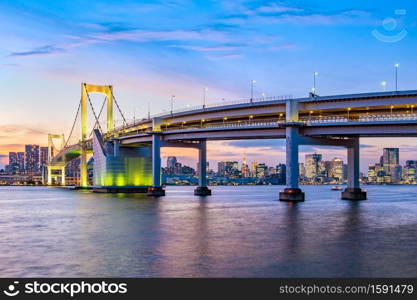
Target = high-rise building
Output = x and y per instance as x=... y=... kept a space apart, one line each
x=411 y=163
x=336 y=169
x=409 y=171
x=391 y=163
x=391 y=156
x=32 y=159
x=261 y=170
x=227 y=168
x=21 y=162
x=43 y=160
x=171 y=161
x=312 y=166
x=13 y=167
x=372 y=173
x=245 y=168
x=178 y=168
x=281 y=171
x=302 y=171
x=253 y=168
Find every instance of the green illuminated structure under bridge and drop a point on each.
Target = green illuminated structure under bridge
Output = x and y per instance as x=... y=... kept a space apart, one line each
x=121 y=169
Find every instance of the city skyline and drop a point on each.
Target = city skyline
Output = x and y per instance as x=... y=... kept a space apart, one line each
x=313 y=168
x=45 y=58
x=190 y=157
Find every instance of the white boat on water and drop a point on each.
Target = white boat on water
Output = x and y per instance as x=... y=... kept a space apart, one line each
x=336 y=188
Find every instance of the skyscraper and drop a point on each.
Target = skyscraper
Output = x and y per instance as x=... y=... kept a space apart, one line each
x=336 y=170
x=261 y=170
x=13 y=164
x=391 y=163
x=312 y=162
x=21 y=162
x=253 y=168
x=171 y=162
x=281 y=173
x=245 y=168
x=43 y=160
x=32 y=159
x=227 y=168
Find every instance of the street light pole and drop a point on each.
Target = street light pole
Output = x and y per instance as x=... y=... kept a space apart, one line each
x=384 y=86
x=172 y=103
x=315 y=74
x=251 y=90
x=396 y=76
x=204 y=103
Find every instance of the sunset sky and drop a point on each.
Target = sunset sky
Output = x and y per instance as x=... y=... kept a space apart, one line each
x=150 y=50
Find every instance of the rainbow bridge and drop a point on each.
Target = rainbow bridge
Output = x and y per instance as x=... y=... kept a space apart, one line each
x=127 y=158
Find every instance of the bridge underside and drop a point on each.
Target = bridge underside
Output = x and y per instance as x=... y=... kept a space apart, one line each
x=130 y=157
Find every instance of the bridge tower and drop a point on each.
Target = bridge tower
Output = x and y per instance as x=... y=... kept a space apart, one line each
x=86 y=88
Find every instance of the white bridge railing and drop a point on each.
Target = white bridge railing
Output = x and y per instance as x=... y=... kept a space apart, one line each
x=224 y=103
x=273 y=122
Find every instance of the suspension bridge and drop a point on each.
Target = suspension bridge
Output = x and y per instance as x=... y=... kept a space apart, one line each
x=127 y=157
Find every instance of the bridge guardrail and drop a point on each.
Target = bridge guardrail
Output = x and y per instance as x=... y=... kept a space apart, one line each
x=224 y=103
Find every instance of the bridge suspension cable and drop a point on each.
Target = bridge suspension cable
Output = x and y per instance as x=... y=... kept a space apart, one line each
x=120 y=111
x=73 y=124
x=99 y=115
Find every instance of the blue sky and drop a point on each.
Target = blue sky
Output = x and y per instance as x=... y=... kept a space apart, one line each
x=150 y=50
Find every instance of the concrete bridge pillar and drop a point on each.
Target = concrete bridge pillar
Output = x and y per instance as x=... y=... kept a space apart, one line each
x=83 y=166
x=63 y=176
x=156 y=188
x=353 y=191
x=202 y=189
x=49 y=175
x=292 y=192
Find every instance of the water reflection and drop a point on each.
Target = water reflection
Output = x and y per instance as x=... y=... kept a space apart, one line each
x=237 y=232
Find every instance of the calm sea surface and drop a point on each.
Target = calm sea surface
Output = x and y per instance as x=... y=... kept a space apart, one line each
x=237 y=232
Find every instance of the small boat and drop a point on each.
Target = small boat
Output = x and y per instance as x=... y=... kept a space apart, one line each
x=336 y=188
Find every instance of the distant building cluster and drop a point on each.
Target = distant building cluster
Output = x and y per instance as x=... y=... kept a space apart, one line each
x=389 y=170
x=314 y=170
x=30 y=166
x=228 y=173
x=29 y=162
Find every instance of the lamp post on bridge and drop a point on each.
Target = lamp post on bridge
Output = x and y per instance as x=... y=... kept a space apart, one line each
x=172 y=103
x=251 y=90
x=314 y=90
x=204 y=100
x=384 y=85
x=397 y=65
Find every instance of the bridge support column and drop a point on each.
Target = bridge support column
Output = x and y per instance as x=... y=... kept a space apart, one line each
x=156 y=188
x=83 y=167
x=292 y=193
x=49 y=175
x=353 y=191
x=202 y=189
x=63 y=176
